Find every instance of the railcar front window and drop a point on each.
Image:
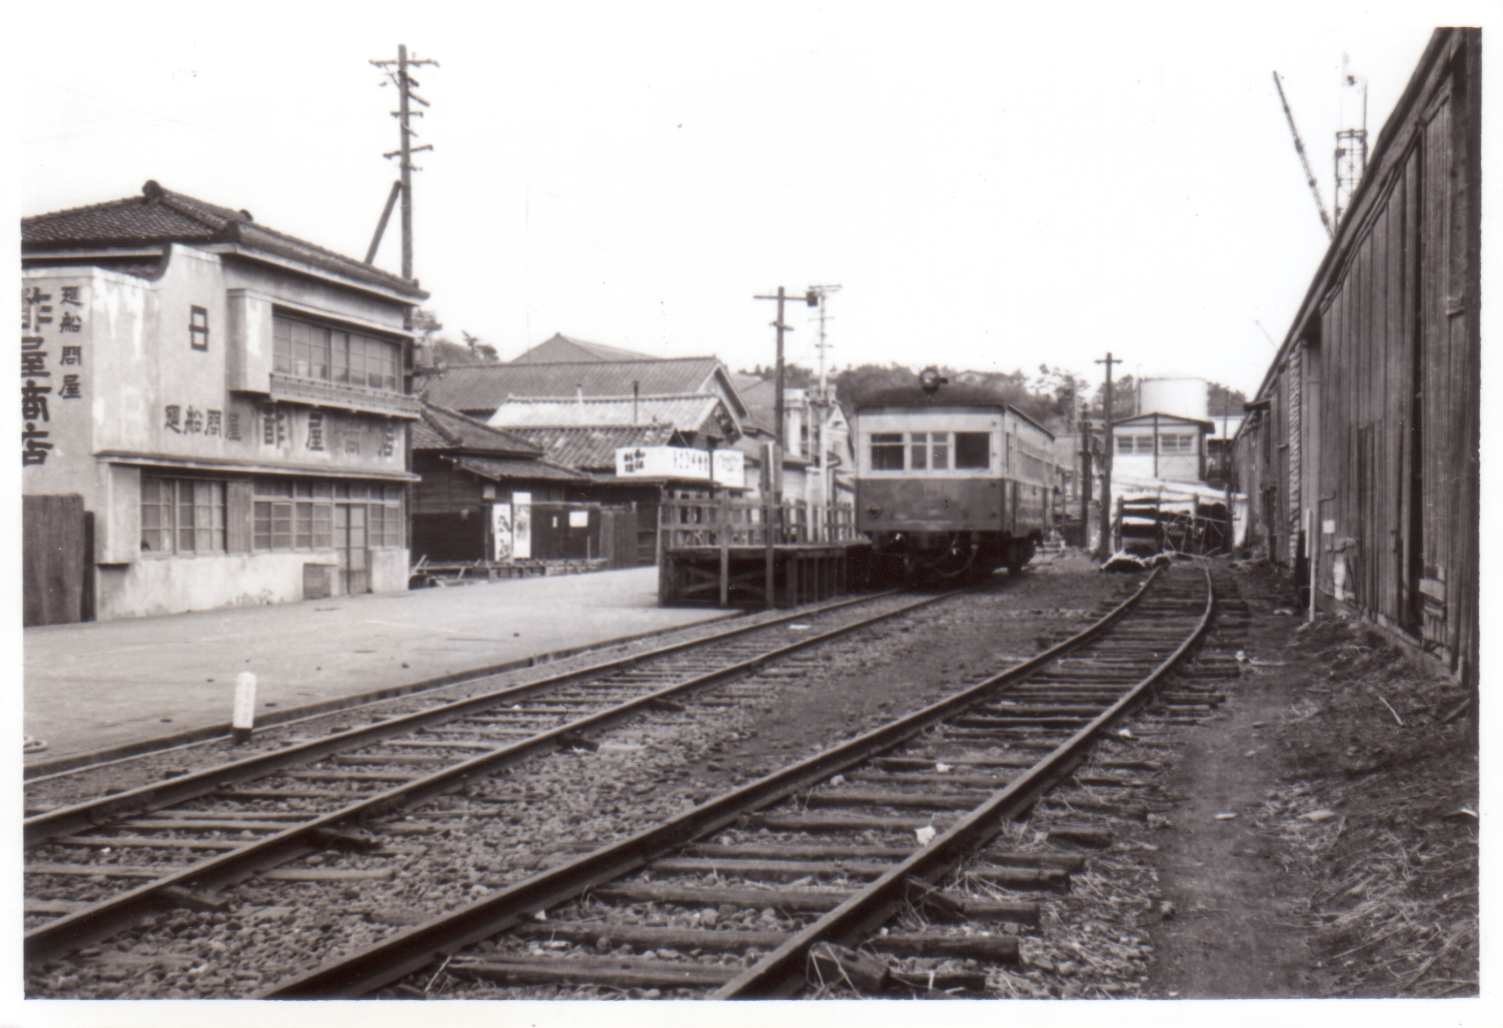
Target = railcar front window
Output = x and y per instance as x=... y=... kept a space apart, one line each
x=939 y=451
x=887 y=451
x=929 y=451
x=973 y=450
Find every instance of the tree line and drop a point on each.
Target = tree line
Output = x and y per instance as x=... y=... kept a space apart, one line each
x=1051 y=396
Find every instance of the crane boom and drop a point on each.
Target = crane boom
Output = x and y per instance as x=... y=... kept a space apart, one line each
x=1325 y=219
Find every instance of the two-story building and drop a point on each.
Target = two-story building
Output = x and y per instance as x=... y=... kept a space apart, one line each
x=231 y=403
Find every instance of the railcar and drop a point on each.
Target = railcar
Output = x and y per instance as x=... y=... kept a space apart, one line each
x=951 y=481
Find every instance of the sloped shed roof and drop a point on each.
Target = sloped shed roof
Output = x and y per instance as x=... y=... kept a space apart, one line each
x=501 y=469
x=159 y=216
x=442 y=429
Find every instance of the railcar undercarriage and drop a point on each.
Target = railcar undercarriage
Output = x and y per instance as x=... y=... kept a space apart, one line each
x=918 y=558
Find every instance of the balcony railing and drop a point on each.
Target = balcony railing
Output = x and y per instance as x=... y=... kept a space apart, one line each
x=336 y=394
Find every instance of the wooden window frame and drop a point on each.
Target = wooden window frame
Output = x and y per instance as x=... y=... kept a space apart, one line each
x=190 y=515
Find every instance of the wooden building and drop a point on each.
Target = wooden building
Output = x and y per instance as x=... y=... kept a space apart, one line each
x=489 y=497
x=1360 y=451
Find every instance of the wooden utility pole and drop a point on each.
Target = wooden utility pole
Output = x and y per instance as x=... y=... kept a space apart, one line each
x=773 y=498
x=1085 y=474
x=404 y=114
x=1108 y=445
x=812 y=299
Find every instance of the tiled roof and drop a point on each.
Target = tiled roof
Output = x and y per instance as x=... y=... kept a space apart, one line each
x=594 y=449
x=160 y=216
x=561 y=348
x=501 y=469
x=443 y=429
x=485 y=387
x=687 y=413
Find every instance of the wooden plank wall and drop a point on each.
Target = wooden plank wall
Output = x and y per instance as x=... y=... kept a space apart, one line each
x=1401 y=388
x=54 y=559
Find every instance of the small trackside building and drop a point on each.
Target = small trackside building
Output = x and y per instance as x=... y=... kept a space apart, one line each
x=230 y=403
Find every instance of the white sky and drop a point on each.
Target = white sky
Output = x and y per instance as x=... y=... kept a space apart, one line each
x=994 y=186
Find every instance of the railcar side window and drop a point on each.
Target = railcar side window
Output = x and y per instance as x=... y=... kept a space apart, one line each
x=887 y=451
x=973 y=450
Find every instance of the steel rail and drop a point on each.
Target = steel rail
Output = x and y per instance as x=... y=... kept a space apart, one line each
x=782 y=972
x=101 y=920
x=412 y=949
x=78 y=817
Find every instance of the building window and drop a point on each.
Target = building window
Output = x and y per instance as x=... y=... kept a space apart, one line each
x=887 y=451
x=1170 y=444
x=198 y=328
x=1127 y=443
x=298 y=514
x=335 y=355
x=181 y=515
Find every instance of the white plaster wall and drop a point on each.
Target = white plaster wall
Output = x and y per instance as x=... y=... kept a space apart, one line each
x=171 y=585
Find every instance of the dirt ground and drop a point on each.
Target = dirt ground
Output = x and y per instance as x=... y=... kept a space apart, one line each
x=1350 y=864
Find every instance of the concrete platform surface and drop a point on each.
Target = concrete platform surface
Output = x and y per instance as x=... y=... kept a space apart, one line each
x=106 y=685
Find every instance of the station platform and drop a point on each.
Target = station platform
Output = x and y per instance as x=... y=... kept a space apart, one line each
x=100 y=690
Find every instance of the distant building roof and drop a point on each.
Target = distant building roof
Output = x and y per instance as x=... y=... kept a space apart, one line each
x=160 y=217
x=687 y=413
x=563 y=349
x=439 y=428
x=482 y=388
x=594 y=448
x=1159 y=417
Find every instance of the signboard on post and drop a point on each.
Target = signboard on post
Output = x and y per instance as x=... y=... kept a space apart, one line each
x=681 y=462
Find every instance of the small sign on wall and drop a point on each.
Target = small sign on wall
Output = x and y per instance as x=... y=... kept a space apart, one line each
x=579 y=519
x=501 y=534
x=521 y=526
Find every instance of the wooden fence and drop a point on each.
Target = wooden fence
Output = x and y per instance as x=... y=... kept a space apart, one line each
x=688 y=522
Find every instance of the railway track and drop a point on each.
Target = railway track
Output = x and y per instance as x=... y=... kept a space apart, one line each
x=887 y=843
x=95 y=869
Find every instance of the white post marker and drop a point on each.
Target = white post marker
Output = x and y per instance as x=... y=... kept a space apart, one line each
x=244 y=718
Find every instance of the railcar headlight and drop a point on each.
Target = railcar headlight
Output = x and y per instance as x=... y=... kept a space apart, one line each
x=930 y=379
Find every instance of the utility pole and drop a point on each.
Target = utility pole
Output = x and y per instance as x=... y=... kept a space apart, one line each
x=818 y=408
x=1108 y=445
x=404 y=114
x=1085 y=473
x=812 y=299
x=772 y=495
